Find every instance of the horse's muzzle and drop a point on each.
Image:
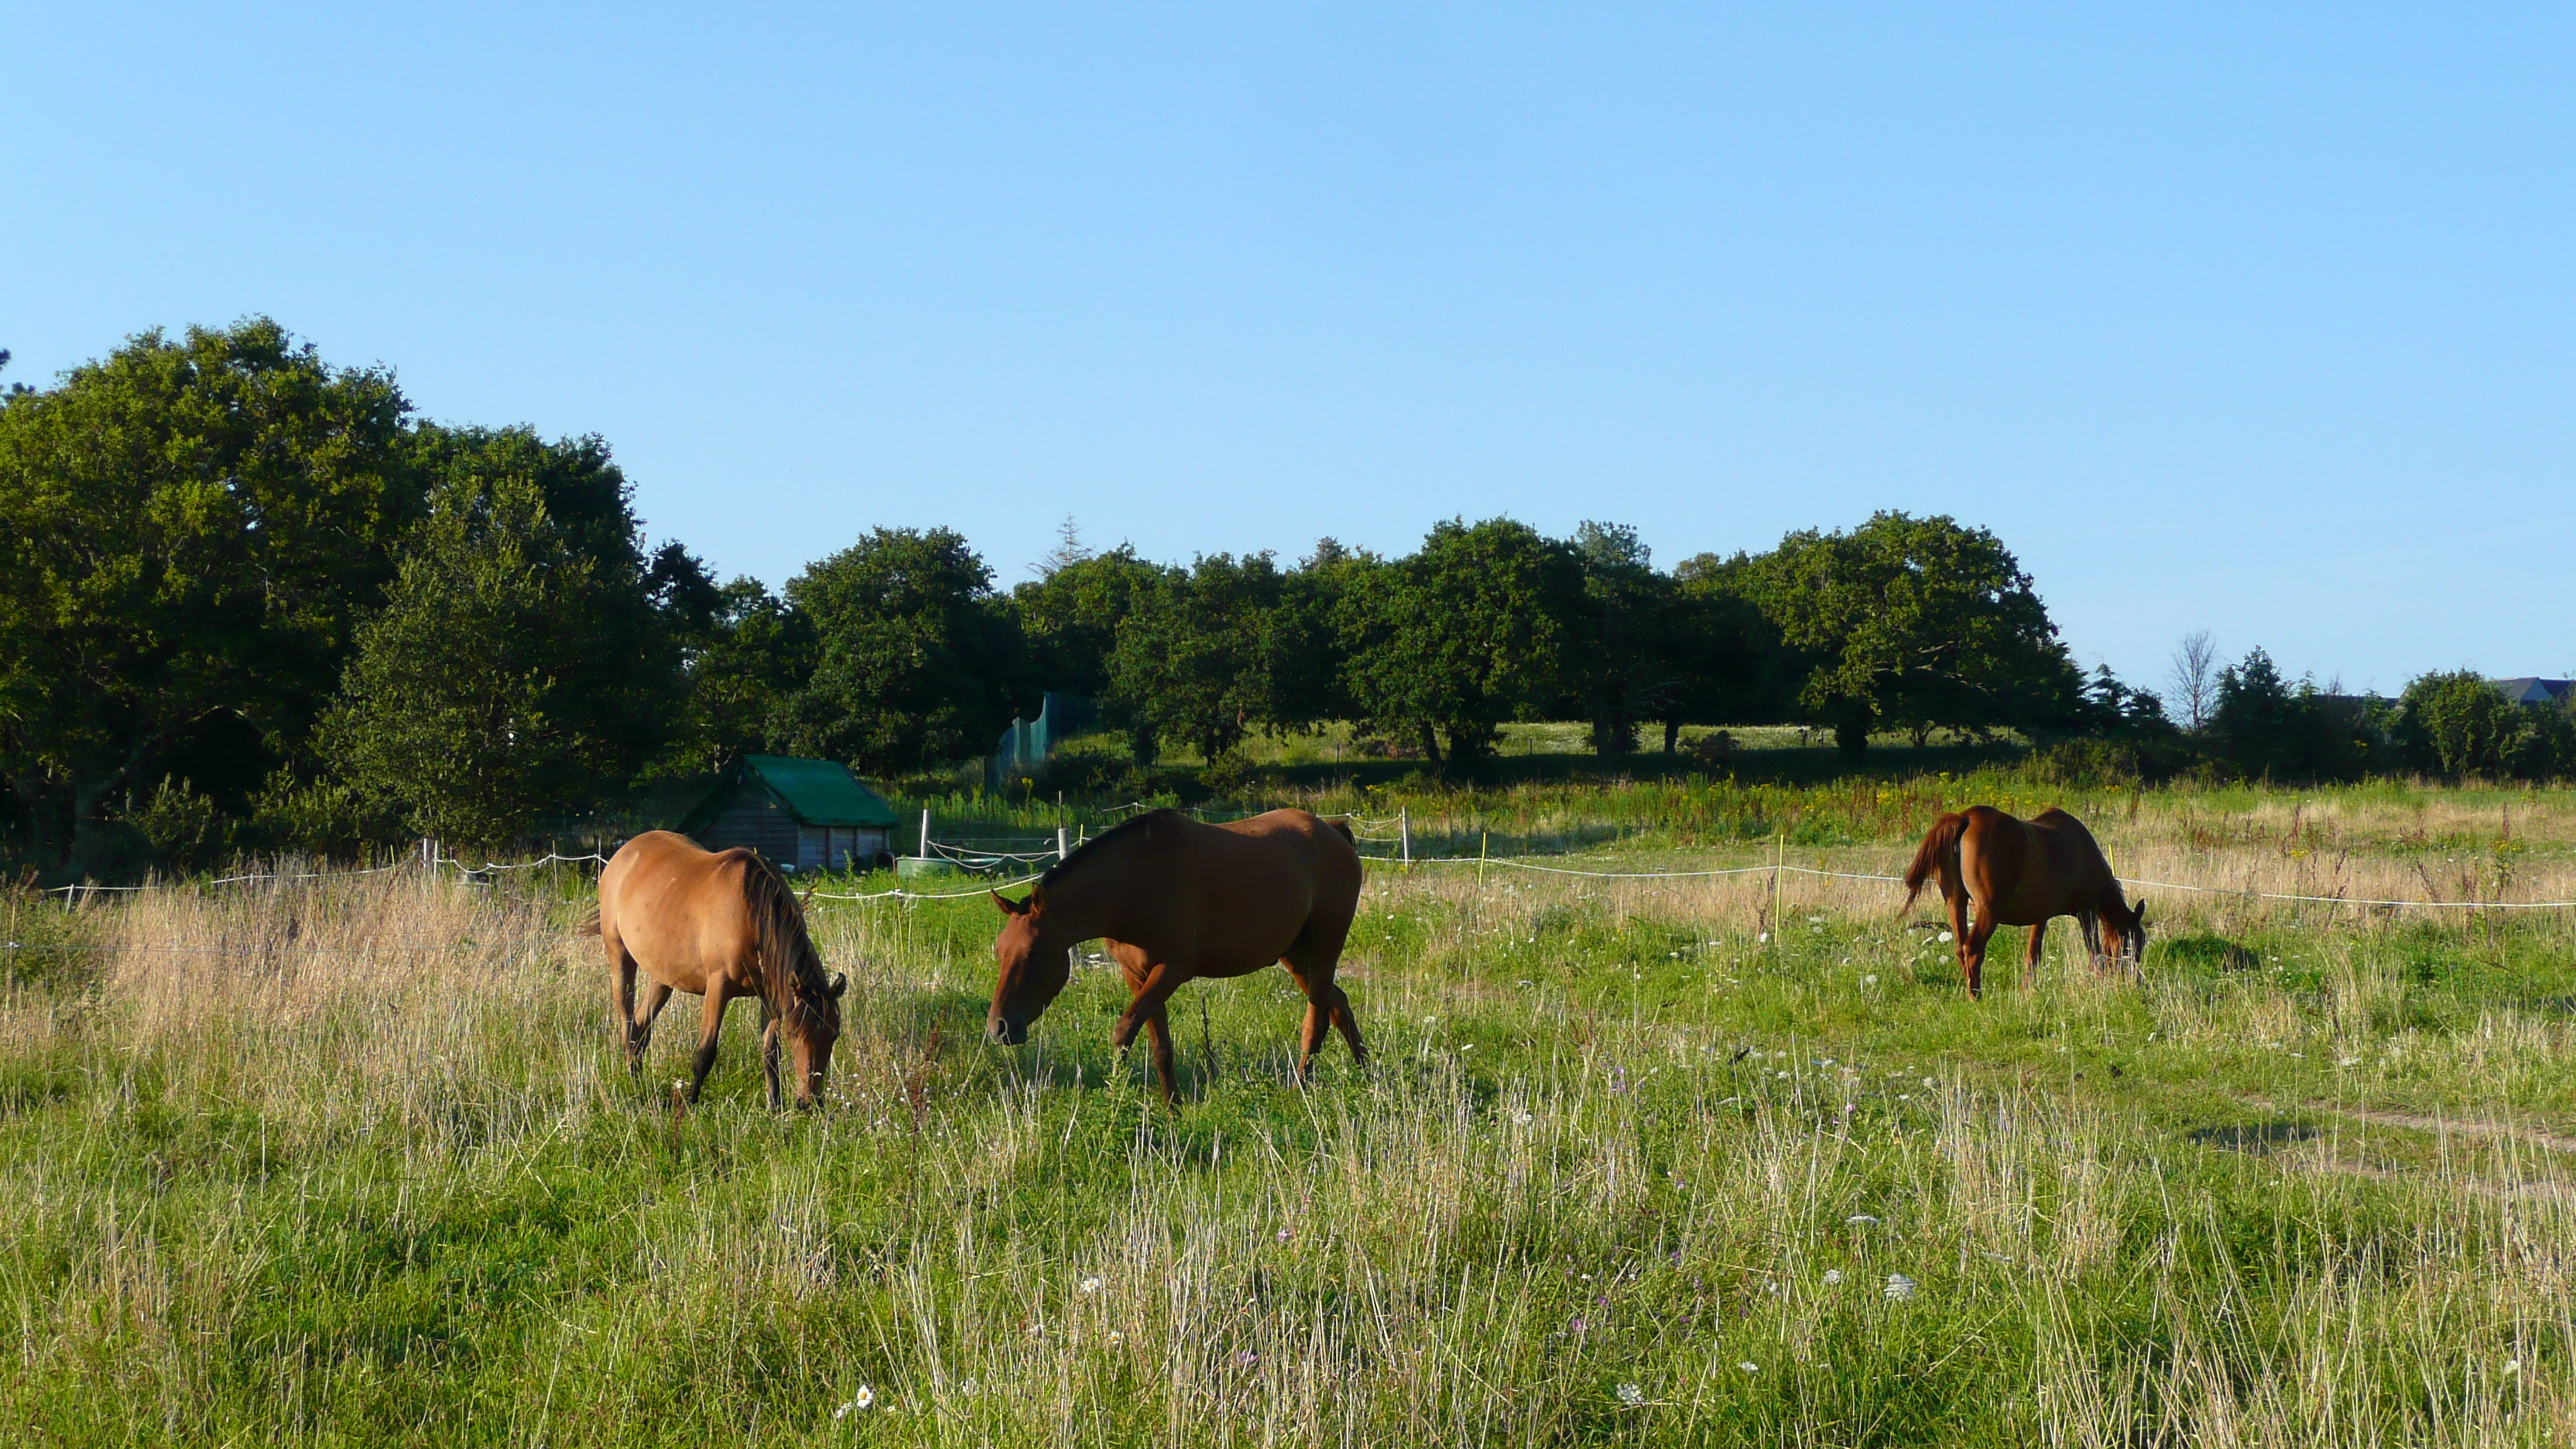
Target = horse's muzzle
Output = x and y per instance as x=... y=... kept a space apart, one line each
x=1003 y=1031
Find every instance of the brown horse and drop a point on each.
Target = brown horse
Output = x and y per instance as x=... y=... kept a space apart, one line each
x=2023 y=873
x=717 y=924
x=1178 y=899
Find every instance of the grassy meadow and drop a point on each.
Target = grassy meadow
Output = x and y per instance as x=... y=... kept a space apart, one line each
x=1649 y=1161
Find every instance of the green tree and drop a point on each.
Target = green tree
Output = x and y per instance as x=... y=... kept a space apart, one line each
x=1624 y=668
x=919 y=663
x=1072 y=612
x=745 y=657
x=518 y=669
x=194 y=529
x=1916 y=624
x=1728 y=663
x=2457 y=723
x=1443 y=646
x=2265 y=727
x=1195 y=661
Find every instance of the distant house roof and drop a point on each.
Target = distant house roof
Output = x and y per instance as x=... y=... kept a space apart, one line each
x=816 y=792
x=2529 y=690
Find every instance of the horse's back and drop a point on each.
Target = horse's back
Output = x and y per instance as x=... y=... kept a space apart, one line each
x=2030 y=869
x=1241 y=892
x=676 y=907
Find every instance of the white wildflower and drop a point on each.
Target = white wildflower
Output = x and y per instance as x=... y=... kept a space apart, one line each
x=1116 y=1338
x=1750 y=1368
x=1869 y=981
x=2513 y=1365
x=1815 y=920
x=858 y=1402
x=1631 y=1395
x=1090 y=1285
x=1860 y=1220
x=1833 y=1276
x=1946 y=936
x=1899 y=1288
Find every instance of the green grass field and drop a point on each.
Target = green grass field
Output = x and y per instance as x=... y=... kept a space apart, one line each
x=354 y=1161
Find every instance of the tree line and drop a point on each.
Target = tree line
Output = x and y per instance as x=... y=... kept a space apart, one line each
x=249 y=602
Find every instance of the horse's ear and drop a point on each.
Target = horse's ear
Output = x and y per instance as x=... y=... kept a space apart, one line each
x=840 y=983
x=2139 y=913
x=1006 y=905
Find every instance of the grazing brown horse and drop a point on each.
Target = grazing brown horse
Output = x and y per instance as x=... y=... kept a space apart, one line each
x=2023 y=873
x=1178 y=899
x=719 y=924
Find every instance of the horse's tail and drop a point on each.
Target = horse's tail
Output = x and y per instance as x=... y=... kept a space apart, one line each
x=589 y=923
x=791 y=970
x=1939 y=853
x=1344 y=827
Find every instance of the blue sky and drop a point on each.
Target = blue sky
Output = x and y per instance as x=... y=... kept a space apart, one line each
x=2248 y=319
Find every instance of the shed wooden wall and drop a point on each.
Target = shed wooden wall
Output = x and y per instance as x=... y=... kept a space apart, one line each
x=753 y=818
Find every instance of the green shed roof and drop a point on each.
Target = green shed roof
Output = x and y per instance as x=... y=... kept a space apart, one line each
x=816 y=792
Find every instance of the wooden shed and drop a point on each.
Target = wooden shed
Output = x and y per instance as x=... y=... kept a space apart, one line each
x=799 y=814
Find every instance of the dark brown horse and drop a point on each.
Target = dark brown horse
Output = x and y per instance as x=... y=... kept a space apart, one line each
x=1176 y=899
x=718 y=924
x=2024 y=873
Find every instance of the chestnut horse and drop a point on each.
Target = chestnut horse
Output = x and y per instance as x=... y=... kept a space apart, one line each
x=718 y=924
x=1177 y=899
x=2023 y=873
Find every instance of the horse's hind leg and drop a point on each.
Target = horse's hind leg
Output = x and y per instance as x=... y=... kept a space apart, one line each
x=1311 y=960
x=621 y=995
x=1958 y=904
x=1159 y=1027
x=639 y=1028
x=1973 y=957
x=2030 y=961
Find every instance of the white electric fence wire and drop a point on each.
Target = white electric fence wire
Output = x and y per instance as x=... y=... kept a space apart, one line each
x=988 y=859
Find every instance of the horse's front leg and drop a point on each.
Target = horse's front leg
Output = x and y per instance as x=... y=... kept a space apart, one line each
x=711 y=1026
x=1160 y=980
x=769 y=1028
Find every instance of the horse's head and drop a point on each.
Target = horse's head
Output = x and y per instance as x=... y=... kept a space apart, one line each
x=2128 y=933
x=1033 y=965
x=810 y=1033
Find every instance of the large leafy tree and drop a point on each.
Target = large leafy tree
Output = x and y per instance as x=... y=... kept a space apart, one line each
x=918 y=662
x=1916 y=623
x=1624 y=670
x=1727 y=662
x=2458 y=723
x=520 y=668
x=1195 y=661
x=1072 y=613
x=745 y=657
x=190 y=531
x=1443 y=646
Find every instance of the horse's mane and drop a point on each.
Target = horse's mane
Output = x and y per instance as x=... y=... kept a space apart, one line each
x=791 y=970
x=1132 y=825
